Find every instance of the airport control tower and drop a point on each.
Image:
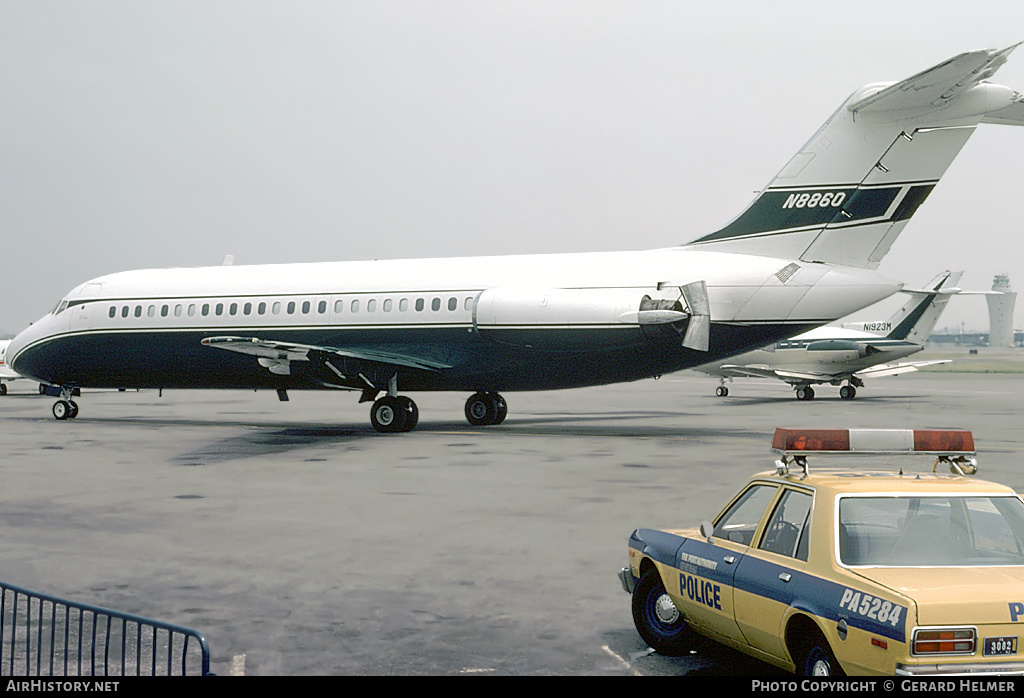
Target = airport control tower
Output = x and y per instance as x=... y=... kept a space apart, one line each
x=1000 y=312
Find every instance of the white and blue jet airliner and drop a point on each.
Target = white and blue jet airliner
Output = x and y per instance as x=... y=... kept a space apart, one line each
x=803 y=254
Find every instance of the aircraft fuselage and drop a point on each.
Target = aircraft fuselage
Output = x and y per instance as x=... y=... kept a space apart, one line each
x=536 y=322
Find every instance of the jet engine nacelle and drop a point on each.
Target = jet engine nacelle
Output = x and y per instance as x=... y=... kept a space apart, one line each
x=554 y=319
x=843 y=349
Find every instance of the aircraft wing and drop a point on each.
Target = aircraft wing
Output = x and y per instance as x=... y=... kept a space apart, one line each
x=937 y=86
x=895 y=369
x=273 y=353
x=788 y=376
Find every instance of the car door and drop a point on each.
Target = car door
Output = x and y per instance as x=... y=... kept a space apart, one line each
x=771 y=575
x=707 y=567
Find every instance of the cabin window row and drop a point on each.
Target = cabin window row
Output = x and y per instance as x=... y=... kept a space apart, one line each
x=290 y=307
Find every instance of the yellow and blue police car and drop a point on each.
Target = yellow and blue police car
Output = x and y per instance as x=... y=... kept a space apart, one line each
x=846 y=570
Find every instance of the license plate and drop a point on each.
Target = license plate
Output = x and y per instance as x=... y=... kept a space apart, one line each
x=1000 y=645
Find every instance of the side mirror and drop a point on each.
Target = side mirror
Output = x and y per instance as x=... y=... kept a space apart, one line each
x=706 y=529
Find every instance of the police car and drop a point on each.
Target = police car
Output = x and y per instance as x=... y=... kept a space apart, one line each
x=826 y=572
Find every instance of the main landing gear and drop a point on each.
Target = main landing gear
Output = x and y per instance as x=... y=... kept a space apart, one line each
x=486 y=409
x=397 y=413
x=805 y=393
x=847 y=392
x=394 y=413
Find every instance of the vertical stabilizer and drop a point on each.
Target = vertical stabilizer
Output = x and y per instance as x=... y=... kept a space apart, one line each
x=917 y=318
x=848 y=193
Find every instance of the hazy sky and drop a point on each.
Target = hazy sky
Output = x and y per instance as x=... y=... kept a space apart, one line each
x=155 y=134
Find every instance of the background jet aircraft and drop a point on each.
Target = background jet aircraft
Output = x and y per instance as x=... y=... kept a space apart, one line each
x=803 y=254
x=837 y=354
x=6 y=374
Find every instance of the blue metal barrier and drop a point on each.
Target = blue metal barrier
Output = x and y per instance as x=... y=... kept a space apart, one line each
x=43 y=635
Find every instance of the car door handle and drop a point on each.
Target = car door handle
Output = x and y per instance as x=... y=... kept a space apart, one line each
x=729 y=559
x=785 y=576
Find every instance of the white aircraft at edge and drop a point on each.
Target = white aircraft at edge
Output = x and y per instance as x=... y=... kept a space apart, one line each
x=6 y=374
x=803 y=254
x=837 y=354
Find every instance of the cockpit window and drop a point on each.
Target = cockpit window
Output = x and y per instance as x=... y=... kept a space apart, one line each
x=61 y=307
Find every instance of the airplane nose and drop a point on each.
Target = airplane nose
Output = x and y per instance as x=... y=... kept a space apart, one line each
x=16 y=350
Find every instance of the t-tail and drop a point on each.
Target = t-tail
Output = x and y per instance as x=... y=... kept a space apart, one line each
x=847 y=195
x=916 y=319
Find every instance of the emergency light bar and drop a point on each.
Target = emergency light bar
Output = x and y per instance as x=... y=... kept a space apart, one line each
x=953 y=446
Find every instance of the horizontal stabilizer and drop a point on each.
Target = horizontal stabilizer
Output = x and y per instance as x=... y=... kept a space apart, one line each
x=941 y=85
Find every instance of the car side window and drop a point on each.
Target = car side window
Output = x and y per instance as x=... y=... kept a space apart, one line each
x=788 y=531
x=740 y=520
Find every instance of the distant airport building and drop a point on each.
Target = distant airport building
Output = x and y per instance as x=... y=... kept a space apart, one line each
x=1000 y=312
x=1001 y=302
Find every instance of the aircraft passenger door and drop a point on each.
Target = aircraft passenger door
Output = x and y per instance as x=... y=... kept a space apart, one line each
x=83 y=308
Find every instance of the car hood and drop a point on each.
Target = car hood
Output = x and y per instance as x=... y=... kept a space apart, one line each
x=956 y=595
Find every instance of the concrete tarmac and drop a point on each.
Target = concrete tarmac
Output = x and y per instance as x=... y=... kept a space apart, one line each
x=299 y=541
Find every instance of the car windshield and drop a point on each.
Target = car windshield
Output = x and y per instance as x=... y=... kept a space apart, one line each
x=904 y=531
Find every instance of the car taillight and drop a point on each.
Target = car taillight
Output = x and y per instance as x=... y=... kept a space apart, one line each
x=944 y=641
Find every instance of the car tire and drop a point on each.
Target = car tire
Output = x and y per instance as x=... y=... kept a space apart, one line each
x=657 y=620
x=818 y=660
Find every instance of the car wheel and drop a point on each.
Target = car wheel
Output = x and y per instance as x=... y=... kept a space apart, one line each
x=657 y=619
x=819 y=660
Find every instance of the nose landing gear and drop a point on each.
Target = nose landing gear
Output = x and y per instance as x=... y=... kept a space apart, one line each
x=66 y=408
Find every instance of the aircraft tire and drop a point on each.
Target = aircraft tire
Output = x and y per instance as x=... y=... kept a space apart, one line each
x=61 y=409
x=847 y=392
x=502 y=412
x=412 y=416
x=74 y=409
x=805 y=393
x=481 y=409
x=3 y=388
x=388 y=415
x=722 y=391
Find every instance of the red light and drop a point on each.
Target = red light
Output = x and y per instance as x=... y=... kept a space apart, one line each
x=811 y=439
x=943 y=440
x=944 y=641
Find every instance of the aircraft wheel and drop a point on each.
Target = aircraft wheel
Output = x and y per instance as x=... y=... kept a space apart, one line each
x=412 y=412
x=61 y=409
x=3 y=388
x=847 y=392
x=722 y=391
x=481 y=409
x=388 y=415
x=74 y=409
x=805 y=393
x=502 y=412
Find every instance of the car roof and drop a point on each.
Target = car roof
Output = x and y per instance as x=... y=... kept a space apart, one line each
x=865 y=480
